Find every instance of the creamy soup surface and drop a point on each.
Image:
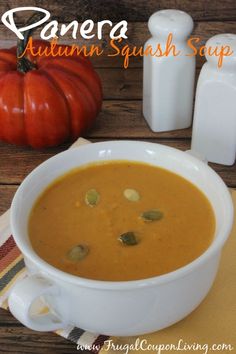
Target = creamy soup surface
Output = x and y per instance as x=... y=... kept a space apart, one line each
x=120 y=221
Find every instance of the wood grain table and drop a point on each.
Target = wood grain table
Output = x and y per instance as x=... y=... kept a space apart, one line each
x=120 y=118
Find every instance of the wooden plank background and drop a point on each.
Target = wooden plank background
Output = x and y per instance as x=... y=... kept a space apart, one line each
x=130 y=10
x=137 y=35
x=121 y=115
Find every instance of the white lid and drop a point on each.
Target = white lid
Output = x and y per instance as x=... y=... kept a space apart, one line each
x=161 y=23
x=226 y=40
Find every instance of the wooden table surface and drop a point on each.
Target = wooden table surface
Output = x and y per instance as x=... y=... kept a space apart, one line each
x=120 y=118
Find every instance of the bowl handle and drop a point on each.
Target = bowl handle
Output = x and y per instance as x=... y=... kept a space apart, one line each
x=197 y=155
x=24 y=296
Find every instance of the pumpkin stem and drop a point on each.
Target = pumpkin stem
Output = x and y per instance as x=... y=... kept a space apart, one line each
x=23 y=63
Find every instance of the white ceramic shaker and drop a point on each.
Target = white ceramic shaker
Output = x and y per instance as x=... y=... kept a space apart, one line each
x=168 y=81
x=214 y=124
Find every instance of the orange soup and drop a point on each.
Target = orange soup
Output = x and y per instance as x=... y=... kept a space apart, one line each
x=120 y=221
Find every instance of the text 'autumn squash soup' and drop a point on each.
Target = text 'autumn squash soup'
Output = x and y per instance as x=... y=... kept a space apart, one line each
x=121 y=220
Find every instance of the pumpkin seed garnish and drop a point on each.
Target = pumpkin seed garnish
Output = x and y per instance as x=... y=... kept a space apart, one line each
x=131 y=194
x=78 y=252
x=128 y=238
x=92 y=197
x=152 y=215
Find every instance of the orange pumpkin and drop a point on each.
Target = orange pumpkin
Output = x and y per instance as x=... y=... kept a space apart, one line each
x=45 y=101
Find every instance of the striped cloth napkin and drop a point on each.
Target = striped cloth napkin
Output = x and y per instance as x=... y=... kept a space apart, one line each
x=12 y=269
